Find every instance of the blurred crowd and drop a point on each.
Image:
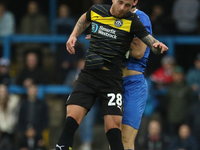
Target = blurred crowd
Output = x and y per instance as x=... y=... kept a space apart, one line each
x=172 y=115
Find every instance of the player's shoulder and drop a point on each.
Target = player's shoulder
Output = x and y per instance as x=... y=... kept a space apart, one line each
x=142 y=14
x=131 y=16
x=101 y=7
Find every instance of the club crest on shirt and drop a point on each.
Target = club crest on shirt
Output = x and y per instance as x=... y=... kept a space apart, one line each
x=118 y=23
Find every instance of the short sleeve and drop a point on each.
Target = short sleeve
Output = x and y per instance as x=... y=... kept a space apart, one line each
x=138 y=28
x=88 y=14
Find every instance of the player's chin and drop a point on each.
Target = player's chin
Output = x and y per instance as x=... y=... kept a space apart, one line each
x=120 y=15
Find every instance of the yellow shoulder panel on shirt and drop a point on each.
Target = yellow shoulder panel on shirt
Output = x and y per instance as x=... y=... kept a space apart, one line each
x=126 y=26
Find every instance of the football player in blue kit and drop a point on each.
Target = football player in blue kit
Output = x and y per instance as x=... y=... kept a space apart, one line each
x=134 y=84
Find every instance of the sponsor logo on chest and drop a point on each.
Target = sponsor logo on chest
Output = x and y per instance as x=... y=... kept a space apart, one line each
x=104 y=31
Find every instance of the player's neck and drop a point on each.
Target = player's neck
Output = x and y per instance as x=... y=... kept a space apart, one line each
x=133 y=9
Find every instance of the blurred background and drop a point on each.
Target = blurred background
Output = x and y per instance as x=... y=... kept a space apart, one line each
x=37 y=75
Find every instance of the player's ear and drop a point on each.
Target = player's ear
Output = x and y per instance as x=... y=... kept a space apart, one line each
x=135 y=2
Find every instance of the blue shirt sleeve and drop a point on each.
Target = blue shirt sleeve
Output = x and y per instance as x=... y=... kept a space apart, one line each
x=145 y=21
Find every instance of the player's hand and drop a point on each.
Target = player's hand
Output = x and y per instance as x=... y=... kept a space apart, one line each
x=88 y=37
x=71 y=44
x=160 y=46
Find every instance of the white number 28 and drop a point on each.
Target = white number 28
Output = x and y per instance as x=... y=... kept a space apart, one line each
x=112 y=101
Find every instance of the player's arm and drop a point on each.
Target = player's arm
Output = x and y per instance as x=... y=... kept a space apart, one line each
x=140 y=31
x=137 y=48
x=156 y=46
x=80 y=26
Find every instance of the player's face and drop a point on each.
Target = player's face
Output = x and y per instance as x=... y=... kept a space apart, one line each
x=121 y=7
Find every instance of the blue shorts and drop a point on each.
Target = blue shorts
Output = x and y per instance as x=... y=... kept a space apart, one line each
x=135 y=92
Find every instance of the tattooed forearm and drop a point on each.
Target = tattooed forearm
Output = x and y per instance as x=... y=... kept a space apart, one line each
x=149 y=41
x=81 y=25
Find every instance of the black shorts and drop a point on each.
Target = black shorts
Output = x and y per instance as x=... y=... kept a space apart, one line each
x=98 y=84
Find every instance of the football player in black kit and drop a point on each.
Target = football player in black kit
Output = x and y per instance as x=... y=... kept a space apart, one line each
x=112 y=30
